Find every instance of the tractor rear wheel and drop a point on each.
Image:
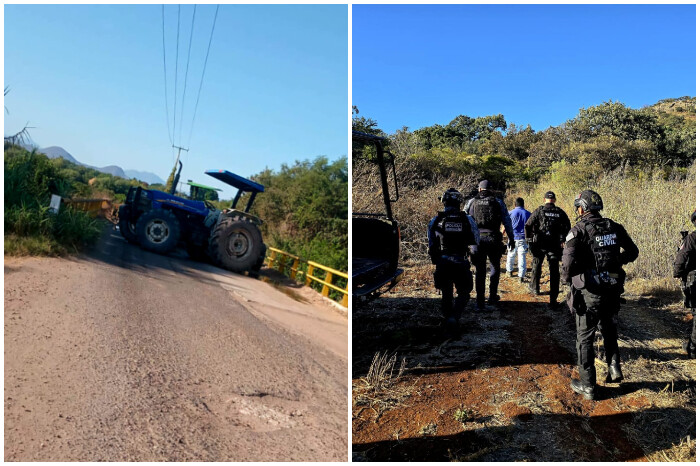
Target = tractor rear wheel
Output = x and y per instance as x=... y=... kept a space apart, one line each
x=158 y=230
x=236 y=244
x=126 y=228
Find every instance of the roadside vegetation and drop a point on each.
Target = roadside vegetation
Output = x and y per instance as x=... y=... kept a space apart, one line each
x=30 y=227
x=304 y=207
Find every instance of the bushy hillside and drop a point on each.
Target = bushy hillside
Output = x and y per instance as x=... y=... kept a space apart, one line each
x=640 y=160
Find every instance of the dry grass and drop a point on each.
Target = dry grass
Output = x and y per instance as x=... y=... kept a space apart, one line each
x=652 y=209
x=381 y=389
x=428 y=429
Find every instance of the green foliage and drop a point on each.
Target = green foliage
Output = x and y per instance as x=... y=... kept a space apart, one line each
x=305 y=210
x=30 y=228
x=460 y=132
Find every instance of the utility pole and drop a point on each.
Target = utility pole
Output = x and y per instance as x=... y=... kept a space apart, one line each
x=176 y=174
x=179 y=149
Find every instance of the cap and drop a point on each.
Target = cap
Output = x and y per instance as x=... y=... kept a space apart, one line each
x=485 y=184
x=550 y=195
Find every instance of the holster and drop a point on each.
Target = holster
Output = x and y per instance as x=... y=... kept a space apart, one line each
x=574 y=299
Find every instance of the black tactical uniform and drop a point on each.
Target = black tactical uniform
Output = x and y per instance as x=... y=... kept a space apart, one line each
x=592 y=265
x=450 y=234
x=545 y=231
x=489 y=213
x=684 y=268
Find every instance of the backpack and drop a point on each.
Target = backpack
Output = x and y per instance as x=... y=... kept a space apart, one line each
x=454 y=233
x=551 y=226
x=604 y=244
x=487 y=212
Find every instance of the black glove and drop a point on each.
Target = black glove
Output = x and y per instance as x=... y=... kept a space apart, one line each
x=511 y=244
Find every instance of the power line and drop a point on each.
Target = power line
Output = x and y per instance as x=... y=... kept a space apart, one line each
x=187 y=68
x=165 y=79
x=177 y=54
x=206 y=58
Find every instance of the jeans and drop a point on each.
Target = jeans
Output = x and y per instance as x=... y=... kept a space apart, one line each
x=521 y=251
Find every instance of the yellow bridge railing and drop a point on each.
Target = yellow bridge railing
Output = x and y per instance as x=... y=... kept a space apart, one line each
x=292 y=266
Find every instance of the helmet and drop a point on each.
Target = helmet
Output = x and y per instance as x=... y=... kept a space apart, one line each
x=589 y=201
x=452 y=197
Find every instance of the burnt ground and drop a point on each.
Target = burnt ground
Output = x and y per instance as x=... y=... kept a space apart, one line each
x=501 y=391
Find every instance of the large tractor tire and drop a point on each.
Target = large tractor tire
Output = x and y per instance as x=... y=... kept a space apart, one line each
x=236 y=244
x=126 y=228
x=158 y=230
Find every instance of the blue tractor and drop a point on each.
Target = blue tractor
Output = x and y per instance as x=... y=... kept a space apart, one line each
x=158 y=222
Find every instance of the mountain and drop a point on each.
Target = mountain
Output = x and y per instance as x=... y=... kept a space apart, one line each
x=148 y=177
x=113 y=170
x=56 y=151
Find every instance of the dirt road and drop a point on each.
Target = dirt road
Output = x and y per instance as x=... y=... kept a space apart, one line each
x=501 y=391
x=124 y=355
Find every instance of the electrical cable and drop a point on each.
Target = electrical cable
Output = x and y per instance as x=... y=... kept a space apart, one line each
x=165 y=79
x=206 y=58
x=177 y=53
x=187 y=68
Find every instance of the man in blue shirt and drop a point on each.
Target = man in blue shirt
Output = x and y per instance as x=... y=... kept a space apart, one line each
x=518 y=217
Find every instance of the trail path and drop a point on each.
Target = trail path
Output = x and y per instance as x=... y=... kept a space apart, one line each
x=501 y=391
x=124 y=355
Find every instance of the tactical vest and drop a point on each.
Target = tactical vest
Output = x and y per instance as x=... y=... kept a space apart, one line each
x=551 y=226
x=487 y=213
x=605 y=246
x=454 y=233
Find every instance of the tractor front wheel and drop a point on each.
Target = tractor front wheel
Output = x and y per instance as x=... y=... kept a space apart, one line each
x=236 y=244
x=158 y=230
x=126 y=228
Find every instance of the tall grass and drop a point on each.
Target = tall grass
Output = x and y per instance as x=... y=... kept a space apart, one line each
x=30 y=227
x=654 y=207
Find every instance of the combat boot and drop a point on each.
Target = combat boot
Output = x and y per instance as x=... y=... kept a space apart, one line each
x=582 y=388
x=614 y=372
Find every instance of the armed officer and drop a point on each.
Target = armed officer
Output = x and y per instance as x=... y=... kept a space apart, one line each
x=489 y=212
x=684 y=268
x=545 y=231
x=450 y=235
x=596 y=249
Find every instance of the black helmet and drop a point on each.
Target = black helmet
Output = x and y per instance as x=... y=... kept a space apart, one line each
x=589 y=201
x=452 y=197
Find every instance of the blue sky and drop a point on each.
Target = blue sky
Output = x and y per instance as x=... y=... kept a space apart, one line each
x=419 y=65
x=90 y=79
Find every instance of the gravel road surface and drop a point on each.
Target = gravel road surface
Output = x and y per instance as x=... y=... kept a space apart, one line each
x=124 y=355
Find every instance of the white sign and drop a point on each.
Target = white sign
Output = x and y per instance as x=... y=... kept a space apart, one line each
x=55 y=203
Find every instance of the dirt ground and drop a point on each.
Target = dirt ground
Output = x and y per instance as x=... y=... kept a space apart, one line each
x=124 y=355
x=501 y=391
